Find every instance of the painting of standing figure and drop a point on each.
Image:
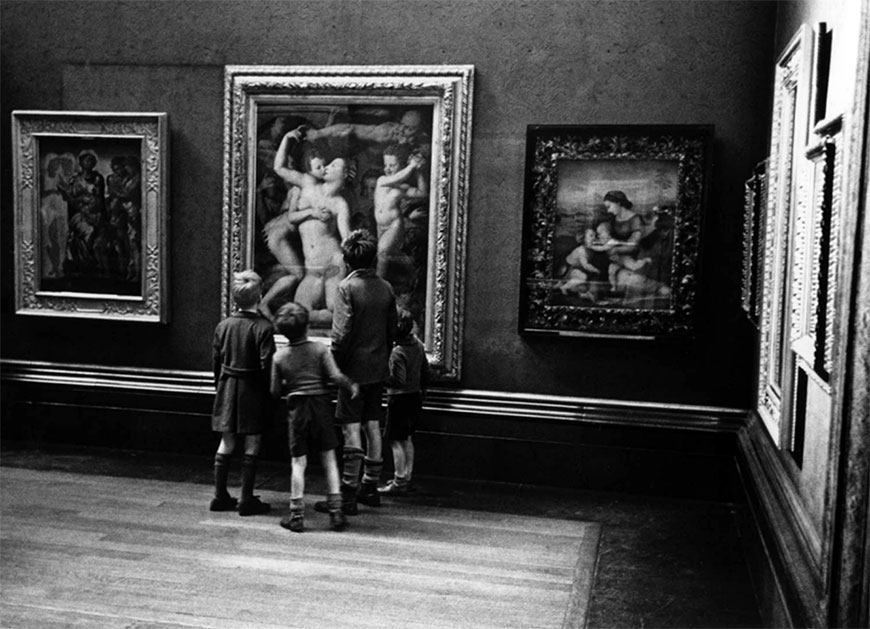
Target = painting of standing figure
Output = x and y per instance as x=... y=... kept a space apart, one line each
x=91 y=205
x=82 y=214
x=612 y=226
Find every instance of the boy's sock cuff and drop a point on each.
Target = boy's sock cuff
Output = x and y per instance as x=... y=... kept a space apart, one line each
x=333 y=502
x=297 y=505
x=353 y=453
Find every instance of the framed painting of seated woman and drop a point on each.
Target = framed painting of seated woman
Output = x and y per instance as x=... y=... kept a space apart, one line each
x=612 y=226
x=313 y=153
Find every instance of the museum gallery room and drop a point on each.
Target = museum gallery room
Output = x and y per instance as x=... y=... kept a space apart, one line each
x=444 y=313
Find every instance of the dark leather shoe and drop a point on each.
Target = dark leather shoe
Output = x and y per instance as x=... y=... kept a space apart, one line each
x=368 y=495
x=295 y=523
x=253 y=506
x=337 y=521
x=225 y=503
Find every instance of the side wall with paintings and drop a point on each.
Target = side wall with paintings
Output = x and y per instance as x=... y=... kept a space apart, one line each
x=611 y=412
x=804 y=453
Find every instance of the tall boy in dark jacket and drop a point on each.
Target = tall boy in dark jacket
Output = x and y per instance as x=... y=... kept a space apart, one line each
x=363 y=330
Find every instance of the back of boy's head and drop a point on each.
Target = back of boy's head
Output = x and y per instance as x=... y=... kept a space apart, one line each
x=292 y=320
x=360 y=249
x=247 y=287
x=405 y=324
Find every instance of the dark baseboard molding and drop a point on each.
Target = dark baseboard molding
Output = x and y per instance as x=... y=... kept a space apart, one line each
x=551 y=408
x=791 y=564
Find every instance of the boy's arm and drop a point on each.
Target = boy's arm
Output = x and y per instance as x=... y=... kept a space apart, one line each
x=342 y=323
x=392 y=321
x=275 y=380
x=398 y=370
x=216 y=358
x=338 y=377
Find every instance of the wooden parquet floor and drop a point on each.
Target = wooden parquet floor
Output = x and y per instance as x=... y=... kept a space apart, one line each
x=102 y=551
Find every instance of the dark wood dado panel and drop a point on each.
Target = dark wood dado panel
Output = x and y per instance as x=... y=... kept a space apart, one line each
x=542 y=440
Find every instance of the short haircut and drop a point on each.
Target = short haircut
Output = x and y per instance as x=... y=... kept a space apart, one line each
x=247 y=288
x=360 y=249
x=405 y=323
x=292 y=320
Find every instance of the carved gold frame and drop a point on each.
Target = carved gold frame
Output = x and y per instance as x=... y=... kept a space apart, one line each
x=446 y=89
x=30 y=130
x=688 y=148
x=787 y=197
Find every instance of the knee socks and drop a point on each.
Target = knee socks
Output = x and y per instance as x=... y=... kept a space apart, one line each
x=372 y=471
x=221 y=474
x=333 y=503
x=249 y=474
x=351 y=464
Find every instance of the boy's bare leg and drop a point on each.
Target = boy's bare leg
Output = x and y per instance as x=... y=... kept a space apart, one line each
x=408 y=447
x=330 y=468
x=337 y=521
x=296 y=520
x=398 y=458
x=297 y=477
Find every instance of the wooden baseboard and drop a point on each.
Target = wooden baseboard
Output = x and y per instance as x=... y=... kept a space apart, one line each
x=790 y=567
x=442 y=400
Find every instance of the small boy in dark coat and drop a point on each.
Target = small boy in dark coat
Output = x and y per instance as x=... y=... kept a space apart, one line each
x=242 y=355
x=409 y=377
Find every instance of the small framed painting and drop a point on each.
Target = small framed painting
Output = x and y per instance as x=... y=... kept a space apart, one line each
x=612 y=229
x=91 y=235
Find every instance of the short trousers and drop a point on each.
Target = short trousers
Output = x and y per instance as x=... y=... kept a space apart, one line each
x=368 y=407
x=310 y=424
x=403 y=410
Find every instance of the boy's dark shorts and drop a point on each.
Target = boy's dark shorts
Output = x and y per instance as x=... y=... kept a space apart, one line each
x=368 y=407
x=311 y=428
x=402 y=413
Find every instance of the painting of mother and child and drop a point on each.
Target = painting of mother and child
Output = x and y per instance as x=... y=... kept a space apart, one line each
x=613 y=243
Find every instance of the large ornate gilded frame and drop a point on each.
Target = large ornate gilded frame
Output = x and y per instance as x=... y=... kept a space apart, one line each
x=139 y=293
x=615 y=154
x=445 y=92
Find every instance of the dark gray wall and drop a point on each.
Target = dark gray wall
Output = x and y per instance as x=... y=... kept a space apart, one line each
x=670 y=62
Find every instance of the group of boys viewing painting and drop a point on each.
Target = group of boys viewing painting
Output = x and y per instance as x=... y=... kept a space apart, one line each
x=324 y=172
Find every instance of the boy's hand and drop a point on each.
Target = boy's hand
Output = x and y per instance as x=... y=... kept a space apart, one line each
x=354 y=390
